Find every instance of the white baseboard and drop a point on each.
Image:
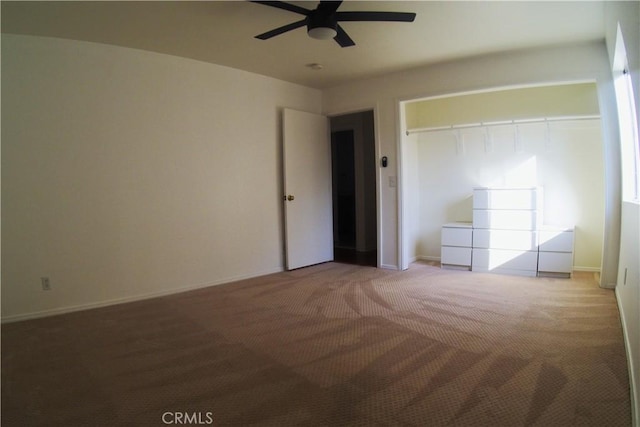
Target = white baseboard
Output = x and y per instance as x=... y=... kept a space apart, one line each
x=633 y=370
x=428 y=258
x=388 y=266
x=586 y=269
x=88 y=306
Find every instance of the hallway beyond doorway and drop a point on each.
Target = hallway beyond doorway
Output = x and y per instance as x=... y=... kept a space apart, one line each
x=354 y=166
x=351 y=256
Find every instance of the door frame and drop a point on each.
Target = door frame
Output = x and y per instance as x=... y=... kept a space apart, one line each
x=402 y=250
x=376 y=137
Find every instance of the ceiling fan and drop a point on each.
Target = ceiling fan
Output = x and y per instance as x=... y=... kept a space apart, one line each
x=323 y=21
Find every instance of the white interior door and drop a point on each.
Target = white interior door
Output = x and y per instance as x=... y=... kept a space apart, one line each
x=307 y=185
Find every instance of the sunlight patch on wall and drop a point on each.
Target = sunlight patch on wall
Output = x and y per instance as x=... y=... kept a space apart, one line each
x=523 y=175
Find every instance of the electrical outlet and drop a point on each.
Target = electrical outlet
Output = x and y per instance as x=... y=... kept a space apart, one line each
x=46 y=283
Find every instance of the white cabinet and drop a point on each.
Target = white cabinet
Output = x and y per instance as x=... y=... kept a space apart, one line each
x=555 y=251
x=506 y=261
x=552 y=263
x=505 y=221
x=453 y=256
x=457 y=234
x=507 y=236
x=456 y=245
x=523 y=240
x=556 y=239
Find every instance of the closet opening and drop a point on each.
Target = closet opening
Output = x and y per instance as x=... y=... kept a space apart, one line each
x=453 y=145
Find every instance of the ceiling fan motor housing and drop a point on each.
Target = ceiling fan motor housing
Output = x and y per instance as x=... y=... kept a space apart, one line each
x=321 y=26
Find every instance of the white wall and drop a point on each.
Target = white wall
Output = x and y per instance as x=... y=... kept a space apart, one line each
x=128 y=173
x=563 y=157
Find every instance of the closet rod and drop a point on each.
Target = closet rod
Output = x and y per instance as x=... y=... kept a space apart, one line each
x=501 y=123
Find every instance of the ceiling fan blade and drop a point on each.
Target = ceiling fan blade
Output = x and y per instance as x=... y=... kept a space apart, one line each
x=376 y=16
x=342 y=38
x=281 y=30
x=285 y=6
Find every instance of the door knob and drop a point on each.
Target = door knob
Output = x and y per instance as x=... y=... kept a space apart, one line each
x=290 y=197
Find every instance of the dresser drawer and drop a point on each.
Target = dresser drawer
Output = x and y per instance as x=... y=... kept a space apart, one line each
x=506 y=219
x=555 y=262
x=490 y=259
x=455 y=255
x=505 y=239
x=556 y=241
x=455 y=236
x=507 y=198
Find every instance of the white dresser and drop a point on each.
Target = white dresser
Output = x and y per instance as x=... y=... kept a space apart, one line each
x=507 y=236
x=505 y=224
x=555 y=251
x=456 y=245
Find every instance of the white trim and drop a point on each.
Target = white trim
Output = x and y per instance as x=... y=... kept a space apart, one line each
x=389 y=267
x=348 y=111
x=587 y=269
x=89 y=306
x=378 y=154
x=627 y=122
x=400 y=121
x=634 y=392
x=608 y=286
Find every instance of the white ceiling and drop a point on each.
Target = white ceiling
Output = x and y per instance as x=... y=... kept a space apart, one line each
x=222 y=32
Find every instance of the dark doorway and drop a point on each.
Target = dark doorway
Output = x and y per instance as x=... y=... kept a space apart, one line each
x=354 y=189
x=344 y=179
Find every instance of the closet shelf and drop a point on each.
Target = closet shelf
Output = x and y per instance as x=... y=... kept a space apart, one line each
x=501 y=123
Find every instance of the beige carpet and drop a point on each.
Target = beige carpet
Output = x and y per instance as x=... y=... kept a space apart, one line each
x=332 y=345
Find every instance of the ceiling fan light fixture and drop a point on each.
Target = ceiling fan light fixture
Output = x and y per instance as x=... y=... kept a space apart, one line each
x=322 y=33
x=322 y=26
